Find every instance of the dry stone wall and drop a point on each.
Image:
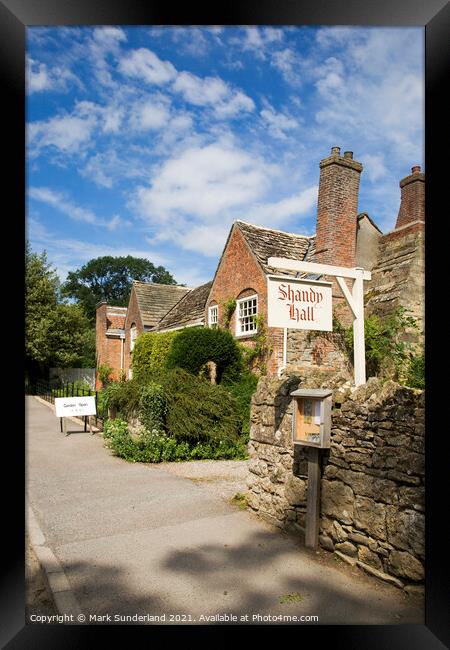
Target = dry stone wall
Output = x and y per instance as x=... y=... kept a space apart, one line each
x=372 y=498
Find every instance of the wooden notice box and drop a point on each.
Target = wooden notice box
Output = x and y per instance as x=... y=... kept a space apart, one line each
x=311 y=424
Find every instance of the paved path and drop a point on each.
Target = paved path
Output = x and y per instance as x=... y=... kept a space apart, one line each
x=138 y=539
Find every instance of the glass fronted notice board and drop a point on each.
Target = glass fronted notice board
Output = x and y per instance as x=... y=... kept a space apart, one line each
x=311 y=424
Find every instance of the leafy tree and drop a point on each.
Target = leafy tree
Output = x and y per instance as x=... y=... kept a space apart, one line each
x=110 y=278
x=56 y=334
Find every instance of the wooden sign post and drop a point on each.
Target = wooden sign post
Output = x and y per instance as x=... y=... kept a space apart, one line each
x=313 y=498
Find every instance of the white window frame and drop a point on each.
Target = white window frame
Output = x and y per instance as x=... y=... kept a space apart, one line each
x=133 y=336
x=211 y=309
x=251 y=332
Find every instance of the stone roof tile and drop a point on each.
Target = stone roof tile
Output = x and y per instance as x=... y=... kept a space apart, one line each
x=189 y=310
x=155 y=300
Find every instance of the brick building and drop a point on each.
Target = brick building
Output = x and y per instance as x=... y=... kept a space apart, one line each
x=343 y=237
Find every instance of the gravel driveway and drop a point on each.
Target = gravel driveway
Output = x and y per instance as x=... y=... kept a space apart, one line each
x=222 y=478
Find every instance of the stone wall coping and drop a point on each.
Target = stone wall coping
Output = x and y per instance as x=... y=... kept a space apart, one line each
x=312 y=392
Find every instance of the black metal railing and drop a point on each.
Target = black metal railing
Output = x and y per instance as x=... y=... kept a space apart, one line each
x=48 y=390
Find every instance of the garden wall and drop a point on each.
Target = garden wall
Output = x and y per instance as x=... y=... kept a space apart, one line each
x=372 y=498
x=69 y=375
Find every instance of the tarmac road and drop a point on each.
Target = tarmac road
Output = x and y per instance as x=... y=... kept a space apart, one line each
x=122 y=539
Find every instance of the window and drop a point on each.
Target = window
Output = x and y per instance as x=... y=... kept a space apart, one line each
x=247 y=310
x=133 y=336
x=213 y=316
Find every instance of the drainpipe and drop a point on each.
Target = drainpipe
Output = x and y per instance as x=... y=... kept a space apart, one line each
x=122 y=337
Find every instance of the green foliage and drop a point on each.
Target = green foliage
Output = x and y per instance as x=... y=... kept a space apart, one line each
x=198 y=410
x=153 y=407
x=388 y=350
x=155 y=447
x=195 y=346
x=415 y=371
x=242 y=391
x=124 y=396
x=229 y=307
x=104 y=373
x=56 y=334
x=150 y=353
x=255 y=357
x=110 y=278
x=88 y=349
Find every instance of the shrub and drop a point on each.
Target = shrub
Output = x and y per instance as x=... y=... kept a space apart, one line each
x=242 y=392
x=415 y=373
x=388 y=353
x=150 y=353
x=123 y=396
x=104 y=373
x=195 y=346
x=154 y=447
x=198 y=410
x=152 y=406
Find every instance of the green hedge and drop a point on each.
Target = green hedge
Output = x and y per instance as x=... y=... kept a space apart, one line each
x=195 y=346
x=184 y=406
x=155 y=447
x=198 y=410
x=150 y=353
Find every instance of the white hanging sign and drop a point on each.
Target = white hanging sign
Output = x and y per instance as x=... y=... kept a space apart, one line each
x=73 y=406
x=295 y=303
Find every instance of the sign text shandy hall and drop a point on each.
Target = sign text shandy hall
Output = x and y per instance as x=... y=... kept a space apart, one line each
x=299 y=304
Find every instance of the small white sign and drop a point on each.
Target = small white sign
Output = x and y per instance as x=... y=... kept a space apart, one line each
x=73 y=406
x=299 y=304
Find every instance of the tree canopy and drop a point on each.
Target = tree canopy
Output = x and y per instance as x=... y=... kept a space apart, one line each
x=56 y=334
x=110 y=278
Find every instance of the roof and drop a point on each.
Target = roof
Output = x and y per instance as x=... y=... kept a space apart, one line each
x=364 y=214
x=268 y=242
x=115 y=318
x=155 y=300
x=190 y=310
x=115 y=332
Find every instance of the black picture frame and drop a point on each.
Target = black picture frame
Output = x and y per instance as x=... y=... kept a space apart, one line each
x=15 y=17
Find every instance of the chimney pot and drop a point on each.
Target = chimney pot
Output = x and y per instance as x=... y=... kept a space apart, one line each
x=415 y=169
x=348 y=154
x=336 y=151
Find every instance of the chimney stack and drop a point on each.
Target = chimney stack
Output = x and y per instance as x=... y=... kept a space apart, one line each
x=412 y=202
x=337 y=210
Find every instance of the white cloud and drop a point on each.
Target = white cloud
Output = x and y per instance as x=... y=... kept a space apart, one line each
x=109 y=38
x=278 y=123
x=105 y=41
x=70 y=134
x=258 y=40
x=69 y=254
x=107 y=168
x=203 y=182
x=40 y=77
x=149 y=115
x=214 y=92
x=58 y=201
x=146 y=65
x=288 y=63
x=374 y=166
x=67 y=133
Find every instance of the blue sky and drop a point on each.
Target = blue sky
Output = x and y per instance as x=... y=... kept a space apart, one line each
x=151 y=141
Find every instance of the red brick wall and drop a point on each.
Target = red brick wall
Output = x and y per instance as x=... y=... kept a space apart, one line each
x=239 y=275
x=108 y=349
x=412 y=202
x=337 y=209
x=133 y=317
x=337 y=219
